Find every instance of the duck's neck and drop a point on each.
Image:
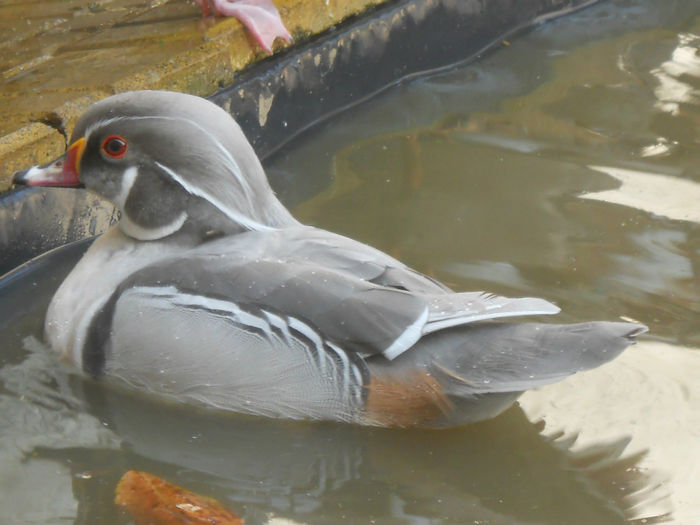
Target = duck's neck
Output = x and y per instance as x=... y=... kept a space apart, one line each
x=205 y=221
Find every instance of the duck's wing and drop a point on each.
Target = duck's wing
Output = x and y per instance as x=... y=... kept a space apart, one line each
x=279 y=336
x=358 y=315
x=329 y=251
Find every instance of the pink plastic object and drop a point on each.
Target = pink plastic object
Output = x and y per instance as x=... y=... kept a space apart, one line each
x=260 y=17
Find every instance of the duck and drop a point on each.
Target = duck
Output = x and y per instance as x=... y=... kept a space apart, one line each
x=209 y=292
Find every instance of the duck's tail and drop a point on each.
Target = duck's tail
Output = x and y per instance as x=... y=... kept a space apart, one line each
x=511 y=357
x=480 y=369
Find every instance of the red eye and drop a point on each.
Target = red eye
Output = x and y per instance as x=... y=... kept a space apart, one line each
x=114 y=147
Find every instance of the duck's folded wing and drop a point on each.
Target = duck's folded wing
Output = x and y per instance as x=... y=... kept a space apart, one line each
x=334 y=252
x=354 y=314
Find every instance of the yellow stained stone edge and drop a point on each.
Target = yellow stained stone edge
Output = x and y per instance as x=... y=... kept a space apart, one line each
x=200 y=71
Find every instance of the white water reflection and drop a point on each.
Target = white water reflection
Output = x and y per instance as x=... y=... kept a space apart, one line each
x=651 y=395
x=673 y=90
x=661 y=148
x=664 y=195
x=41 y=413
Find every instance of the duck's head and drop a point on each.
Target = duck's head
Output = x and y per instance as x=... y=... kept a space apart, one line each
x=170 y=162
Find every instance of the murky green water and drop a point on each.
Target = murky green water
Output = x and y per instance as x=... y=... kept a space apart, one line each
x=565 y=165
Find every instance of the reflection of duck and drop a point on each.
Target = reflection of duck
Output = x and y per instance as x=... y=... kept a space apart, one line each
x=209 y=291
x=500 y=471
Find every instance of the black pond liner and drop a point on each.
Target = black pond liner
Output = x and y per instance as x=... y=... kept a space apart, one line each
x=281 y=96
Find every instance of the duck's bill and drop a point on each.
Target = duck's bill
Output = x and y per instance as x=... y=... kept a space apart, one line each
x=59 y=173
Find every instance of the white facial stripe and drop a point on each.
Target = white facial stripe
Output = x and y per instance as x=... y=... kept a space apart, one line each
x=100 y=124
x=232 y=164
x=128 y=179
x=241 y=219
x=135 y=231
x=408 y=338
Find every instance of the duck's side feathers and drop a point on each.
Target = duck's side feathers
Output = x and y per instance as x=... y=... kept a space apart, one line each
x=229 y=355
x=355 y=314
x=351 y=313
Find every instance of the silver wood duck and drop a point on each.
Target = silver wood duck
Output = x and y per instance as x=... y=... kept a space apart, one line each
x=209 y=292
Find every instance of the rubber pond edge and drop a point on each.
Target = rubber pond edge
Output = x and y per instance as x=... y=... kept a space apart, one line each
x=280 y=97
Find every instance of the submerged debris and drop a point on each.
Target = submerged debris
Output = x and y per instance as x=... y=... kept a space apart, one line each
x=152 y=500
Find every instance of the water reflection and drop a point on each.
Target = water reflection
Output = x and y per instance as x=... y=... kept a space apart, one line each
x=328 y=473
x=648 y=395
x=665 y=195
x=493 y=472
x=533 y=233
x=38 y=411
x=673 y=89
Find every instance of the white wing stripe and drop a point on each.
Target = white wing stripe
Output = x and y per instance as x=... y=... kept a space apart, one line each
x=184 y=299
x=408 y=338
x=514 y=308
x=280 y=324
x=318 y=351
x=309 y=333
x=265 y=324
x=345 y=364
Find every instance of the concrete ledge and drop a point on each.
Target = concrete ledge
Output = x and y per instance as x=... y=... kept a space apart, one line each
x=63 y=57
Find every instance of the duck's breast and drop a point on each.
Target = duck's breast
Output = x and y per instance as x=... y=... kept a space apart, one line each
x=110 y=260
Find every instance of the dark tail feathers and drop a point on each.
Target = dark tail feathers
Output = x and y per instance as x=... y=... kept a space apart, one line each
x=514 y=357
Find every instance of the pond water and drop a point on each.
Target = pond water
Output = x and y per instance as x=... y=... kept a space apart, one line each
x=563 y=165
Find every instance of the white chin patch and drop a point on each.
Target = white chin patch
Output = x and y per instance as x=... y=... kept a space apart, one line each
x=128 y=179
x=135 y=231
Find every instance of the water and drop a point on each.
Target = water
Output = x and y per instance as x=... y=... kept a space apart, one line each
x=564 y=165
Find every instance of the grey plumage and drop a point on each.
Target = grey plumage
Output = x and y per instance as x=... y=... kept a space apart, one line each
x=513 y=357
x=334 y=293
x=209 y=291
